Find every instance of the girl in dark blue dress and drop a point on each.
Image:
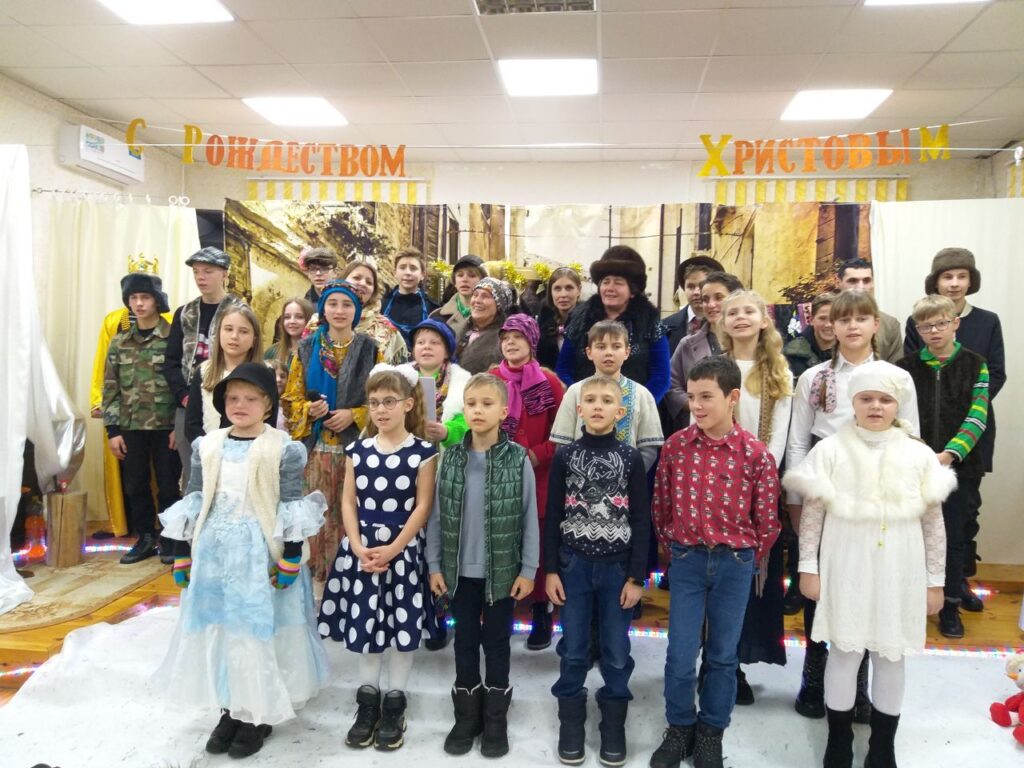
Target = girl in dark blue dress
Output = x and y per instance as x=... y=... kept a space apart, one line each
x=373 y=600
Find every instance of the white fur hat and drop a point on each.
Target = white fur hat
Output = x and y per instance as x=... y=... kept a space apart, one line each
x=880 y=376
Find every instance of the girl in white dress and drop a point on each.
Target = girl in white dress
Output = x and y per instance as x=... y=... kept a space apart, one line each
x=245 y=641
x=872 y=554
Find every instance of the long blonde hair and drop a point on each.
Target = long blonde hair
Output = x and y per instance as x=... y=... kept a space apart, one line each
x=393 y=381
x=215 y=370
x=770 y=366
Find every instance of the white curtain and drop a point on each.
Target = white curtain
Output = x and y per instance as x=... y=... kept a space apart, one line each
x=91 y=245
x=904 y=238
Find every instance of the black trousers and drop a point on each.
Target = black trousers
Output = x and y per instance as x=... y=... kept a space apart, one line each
x=960 y=514
x=148 y=456
x=477 y=624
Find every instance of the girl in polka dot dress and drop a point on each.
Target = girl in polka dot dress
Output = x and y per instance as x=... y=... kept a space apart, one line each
x=373 y=599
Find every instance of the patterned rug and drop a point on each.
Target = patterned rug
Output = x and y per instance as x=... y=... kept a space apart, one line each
x=74 y=592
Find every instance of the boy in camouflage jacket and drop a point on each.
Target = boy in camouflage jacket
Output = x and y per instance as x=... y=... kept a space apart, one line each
x=138 y=411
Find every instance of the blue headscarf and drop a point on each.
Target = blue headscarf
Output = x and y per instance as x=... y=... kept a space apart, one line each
x=323 y=371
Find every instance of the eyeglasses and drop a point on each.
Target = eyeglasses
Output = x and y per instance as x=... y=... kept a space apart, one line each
x=939 y=325
x=313 y=269
x=387 y=403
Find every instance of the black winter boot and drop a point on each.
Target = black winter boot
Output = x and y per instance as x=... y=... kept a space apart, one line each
x=468 y=720
x=361 y=733
x=676 y=746
x=969 y=601
x=613 y=731
x=810 y=702
x=707 y=747
x=839 y=750
x=540 y=634
x=572 y=734
x=222 y=736
x=391 y=731
x=248 y=740
x=495 y=739
x=862 y=704
x=792 y=601
x=950 y=624
x=882 y=743
x=744 y=693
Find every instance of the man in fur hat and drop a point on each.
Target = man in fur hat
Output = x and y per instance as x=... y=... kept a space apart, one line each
x=115 y=321
x=138 y=410
x=955 y=276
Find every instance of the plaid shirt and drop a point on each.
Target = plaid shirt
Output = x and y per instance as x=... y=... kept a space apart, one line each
x=714 y=492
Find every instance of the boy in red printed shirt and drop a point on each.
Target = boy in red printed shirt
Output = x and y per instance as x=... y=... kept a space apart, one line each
x=715 y=510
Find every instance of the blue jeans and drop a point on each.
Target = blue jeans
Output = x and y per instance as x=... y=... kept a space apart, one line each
x=712 y=585
x=588 y=583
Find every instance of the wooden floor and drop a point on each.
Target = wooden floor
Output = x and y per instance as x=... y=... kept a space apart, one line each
x=996 y=628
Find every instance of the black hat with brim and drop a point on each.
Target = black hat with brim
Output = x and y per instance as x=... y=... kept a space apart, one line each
x=260 y=375
x=703 y=262
x=469 y=261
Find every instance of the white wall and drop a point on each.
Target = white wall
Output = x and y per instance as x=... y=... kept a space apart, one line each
x=35 y=120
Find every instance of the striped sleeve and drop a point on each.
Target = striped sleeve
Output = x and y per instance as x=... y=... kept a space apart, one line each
x=969 y=433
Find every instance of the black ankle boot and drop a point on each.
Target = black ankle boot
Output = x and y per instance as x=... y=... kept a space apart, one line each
x=468 y=705
x=676 y=745
x=222 y=736
x=810 y=702
x=248 y=740
x=862 y=704
x=882 y=743
x=707 y=747
x=744 y=693
x=391 y=731
x=793 y=601
x=613 y=731
x=950 y=624
x=839 y=750
x=969 y=601
x=361 y=733
x=572 y=734
x=495 y=739
x=540 y=634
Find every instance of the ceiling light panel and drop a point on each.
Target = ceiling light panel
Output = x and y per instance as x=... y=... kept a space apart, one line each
x=169 y=11
x=549 y=77
x=841 y=104
x=297 y=110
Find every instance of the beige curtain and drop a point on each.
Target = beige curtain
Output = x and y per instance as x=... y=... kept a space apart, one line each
x=91 y=244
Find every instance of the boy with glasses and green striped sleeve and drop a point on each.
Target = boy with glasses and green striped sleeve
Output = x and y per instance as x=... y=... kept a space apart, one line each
x=953 y=403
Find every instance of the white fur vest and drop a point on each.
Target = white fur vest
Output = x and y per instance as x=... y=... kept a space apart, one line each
x=263 y=490
x=899 y=480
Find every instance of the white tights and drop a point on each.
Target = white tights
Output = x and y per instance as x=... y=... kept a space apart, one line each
x=888 y=679
x=399 y=668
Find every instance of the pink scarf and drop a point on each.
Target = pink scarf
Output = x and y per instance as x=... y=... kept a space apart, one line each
x=527 y=387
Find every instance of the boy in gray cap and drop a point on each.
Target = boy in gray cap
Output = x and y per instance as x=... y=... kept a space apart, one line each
x=188 y=343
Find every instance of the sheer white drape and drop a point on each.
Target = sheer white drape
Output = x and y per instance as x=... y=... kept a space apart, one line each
x=92 y=241
x=904 y=238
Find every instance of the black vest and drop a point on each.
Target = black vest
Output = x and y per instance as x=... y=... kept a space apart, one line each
x=944 y=399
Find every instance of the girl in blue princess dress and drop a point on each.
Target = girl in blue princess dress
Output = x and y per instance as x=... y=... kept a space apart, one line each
x=245 y=641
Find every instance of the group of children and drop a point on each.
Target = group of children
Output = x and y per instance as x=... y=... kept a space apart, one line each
x=505 y=488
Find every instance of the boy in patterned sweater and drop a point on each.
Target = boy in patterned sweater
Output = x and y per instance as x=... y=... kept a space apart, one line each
x=596 y=536
x=715 y=502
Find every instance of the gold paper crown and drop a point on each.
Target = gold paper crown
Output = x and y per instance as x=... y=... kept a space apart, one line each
x=141 y=264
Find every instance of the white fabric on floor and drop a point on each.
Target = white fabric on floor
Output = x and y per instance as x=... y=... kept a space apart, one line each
x=89 y=707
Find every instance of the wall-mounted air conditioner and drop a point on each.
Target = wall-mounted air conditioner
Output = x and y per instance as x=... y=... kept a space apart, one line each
x=87 y=149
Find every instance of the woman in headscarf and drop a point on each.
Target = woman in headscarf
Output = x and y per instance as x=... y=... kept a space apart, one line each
x=364 y=278
x=489 y=305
